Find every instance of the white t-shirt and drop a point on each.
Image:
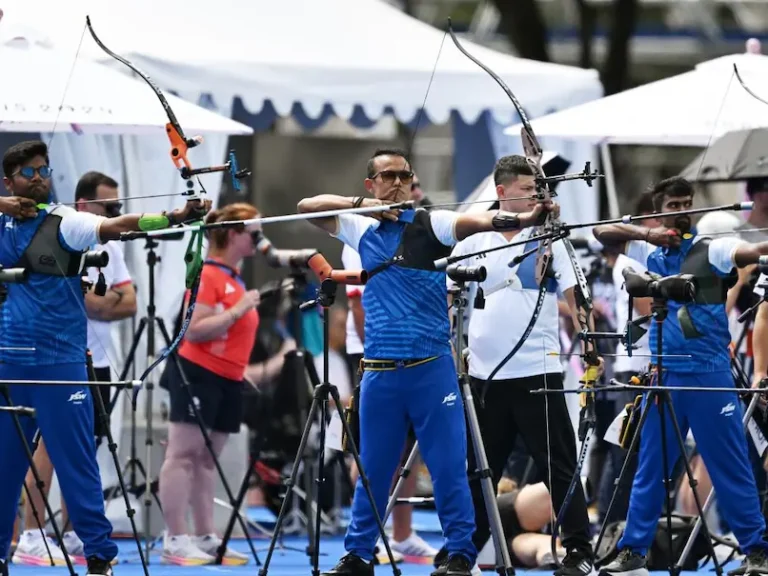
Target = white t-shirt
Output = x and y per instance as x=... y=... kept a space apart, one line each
x=100 y=332
x=641 y=353
x=495 y=329
x=351 y=261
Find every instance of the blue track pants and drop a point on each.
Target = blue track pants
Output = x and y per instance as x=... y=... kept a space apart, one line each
x=716 y=421
x=427 y=396
x=64 y=415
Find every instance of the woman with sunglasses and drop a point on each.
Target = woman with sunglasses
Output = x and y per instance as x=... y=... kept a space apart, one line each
x=212 y=361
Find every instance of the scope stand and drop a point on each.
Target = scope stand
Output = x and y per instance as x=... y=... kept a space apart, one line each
x=14 y=412
x=326 y=296
x=663 y=401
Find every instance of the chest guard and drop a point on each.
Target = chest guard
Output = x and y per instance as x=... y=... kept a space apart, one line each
x=45 y=254
x=418 y=248
x=712 y=288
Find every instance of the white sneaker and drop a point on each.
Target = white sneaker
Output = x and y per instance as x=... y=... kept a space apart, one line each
x=381 y=553
x=414 y=549
x=210 y=545
x=32 y=550
x=74 y=547
x=182 y=551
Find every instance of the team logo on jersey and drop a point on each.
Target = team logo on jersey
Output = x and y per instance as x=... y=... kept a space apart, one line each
x=229 y=289
x=78 y=397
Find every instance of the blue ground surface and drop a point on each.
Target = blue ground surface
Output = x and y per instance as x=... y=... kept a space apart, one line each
x=284 y=562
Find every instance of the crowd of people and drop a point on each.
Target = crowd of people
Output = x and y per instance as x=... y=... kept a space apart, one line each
x=392 y=357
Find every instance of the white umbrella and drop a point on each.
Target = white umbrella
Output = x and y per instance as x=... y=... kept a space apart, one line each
x=685 y=110
x=93 y=100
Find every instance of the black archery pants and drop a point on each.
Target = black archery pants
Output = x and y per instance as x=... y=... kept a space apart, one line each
x=505 y=410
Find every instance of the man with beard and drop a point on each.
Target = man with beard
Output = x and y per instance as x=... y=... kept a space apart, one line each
x=696 y=349
x=409 y=376
x=43 y=338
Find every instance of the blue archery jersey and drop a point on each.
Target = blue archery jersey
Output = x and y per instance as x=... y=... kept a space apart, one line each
x=708 y=350
x=406 y=307
x=45 y=316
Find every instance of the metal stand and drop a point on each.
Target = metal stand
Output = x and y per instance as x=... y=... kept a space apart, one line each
x=662 y=400
x=503 y=560
x=325 y=299
x=112 y=445
x=15 y=412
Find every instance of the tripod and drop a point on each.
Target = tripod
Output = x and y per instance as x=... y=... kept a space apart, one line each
x=326 y=296
x=663 y=401
x=503 y=560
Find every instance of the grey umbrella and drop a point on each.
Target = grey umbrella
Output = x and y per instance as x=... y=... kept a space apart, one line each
x=736 y=156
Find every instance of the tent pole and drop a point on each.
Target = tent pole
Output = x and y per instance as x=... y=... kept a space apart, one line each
x=610 y=181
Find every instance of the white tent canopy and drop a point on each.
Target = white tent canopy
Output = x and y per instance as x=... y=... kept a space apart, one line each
x=690 y=109
x=94 y=99
x=316 y=52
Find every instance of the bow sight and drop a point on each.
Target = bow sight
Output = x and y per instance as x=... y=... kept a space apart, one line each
x=585 y=175
x=235 y=173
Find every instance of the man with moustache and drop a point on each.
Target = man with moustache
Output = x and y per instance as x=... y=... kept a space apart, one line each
x=696 y=348
x=409 y=376
x=504 y=403
x=43 y=338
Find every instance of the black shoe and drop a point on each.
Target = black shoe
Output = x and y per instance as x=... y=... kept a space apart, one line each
x=440 y=558
x=757 y=562
x=456 y=565
x=351 y=565
x=627 y=563
x=740 y=571
x=575 y=563
x=99 y=567
x=3 y=568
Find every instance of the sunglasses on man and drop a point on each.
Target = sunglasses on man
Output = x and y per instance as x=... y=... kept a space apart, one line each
x=389 y=176
x=29 y=172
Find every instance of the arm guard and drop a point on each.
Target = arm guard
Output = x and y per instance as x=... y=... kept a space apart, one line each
x=505 y=221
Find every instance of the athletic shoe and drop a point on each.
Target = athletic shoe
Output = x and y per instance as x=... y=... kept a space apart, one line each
x=627 y=563
x=740 y=571
x=98 y=567
x=456 y=565
x=380 y=553
x=210 y=545
x=440 y=562
x=3 y=568
x=757 y=562
x=351 y=565
x=32 y=550
x=74 y=547
x=414 y=549
x=575 y=563
x=181 y=551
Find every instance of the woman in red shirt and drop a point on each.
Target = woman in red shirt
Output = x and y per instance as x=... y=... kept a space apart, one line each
x=212 y=361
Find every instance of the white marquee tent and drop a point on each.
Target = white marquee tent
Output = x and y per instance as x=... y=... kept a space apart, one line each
x=316 y=52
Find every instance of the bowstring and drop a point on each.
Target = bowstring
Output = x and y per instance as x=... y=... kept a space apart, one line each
x=553 y=517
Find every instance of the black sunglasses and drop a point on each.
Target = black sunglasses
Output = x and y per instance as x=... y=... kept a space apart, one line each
x=389 y=176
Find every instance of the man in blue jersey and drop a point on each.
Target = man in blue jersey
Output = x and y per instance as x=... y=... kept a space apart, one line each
x=43 y=338
x=696 y=343
x=409 y=375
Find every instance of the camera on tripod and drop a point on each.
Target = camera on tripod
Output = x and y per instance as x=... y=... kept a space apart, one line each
x=678 y=288
x=459 y=273
x=94 y=259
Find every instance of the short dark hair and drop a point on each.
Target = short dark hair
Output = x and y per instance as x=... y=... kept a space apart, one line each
x=674 y=187
x=509 y=167
x=21 y=153
x=644 y=204
x=755 y=185
x=89 y=182
x=371 y=168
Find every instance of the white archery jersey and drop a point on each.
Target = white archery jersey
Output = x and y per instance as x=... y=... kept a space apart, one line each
x=510 y=300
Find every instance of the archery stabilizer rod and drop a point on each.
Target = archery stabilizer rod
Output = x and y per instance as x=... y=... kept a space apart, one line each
x=266 y=220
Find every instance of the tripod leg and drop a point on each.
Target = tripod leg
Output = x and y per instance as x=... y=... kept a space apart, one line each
x=363 y=478
x=667 y=479
x=112 y=445
x=618 y=483
x=711 y=496
x=290 y=483
x=689 y=472
x=220 y=470
x=38 y=481
x=489 y=494
x=404 y=473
